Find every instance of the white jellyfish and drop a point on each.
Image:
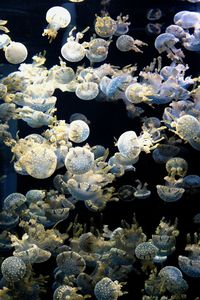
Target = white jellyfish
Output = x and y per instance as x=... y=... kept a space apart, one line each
x=57 y=17
x=15 y=53
x=79 y=160
x=126 y=43
x=78 y=131
x=87 y=90
x=128 y=144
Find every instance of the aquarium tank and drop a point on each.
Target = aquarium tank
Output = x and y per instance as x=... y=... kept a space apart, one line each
x=99 y=149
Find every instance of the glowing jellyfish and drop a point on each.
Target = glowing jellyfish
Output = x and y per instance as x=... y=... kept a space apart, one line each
x=78 y=131
x=4 y=40
x=14 y=202
x=146 y=251
x=187 y=127
x=87 y=90
x=105 y=26
x=64 y=292
x=122 y=25
x=154 y=28
x=106 y=289
x=126 y=193
x=128 y=144
x=141 y=190
x=79 y=160
x=126 y=43
x=137 y=93
x=154 y=14
x=40 y=162
x=169 y=193
x=57 y=17
x=115 y=87
x=71 y=263
x=176 y=166
x=15 y=53
x=98 y=50
x=13 y=269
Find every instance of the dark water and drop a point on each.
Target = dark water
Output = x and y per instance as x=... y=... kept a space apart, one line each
x=108 y=120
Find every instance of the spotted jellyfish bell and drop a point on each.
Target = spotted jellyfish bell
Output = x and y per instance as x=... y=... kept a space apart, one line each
x=127 y=43
x=122 y=25
x=97 y=50
x=72 y=50
x=105 y=26
x=146 y=251
x=170 y=193
x=176 y=167
x=65 y=291
x=78 y=131
x=70 y=263
x=128 y=144
x=13 y=269
x=107 y=289
x=57 y=17
x=15 y=53
x=87 y=90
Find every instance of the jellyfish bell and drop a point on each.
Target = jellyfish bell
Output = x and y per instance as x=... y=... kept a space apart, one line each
x=105 y=26
x=169 y=193
x=15 y=53
x=87 y=90
x=126 y=43
x=73 y=51
x=79 y=160
x=128 y=144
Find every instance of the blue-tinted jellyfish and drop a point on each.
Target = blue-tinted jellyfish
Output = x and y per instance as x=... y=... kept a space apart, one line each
x=87 y=90
x=196 y=219
x=153 y=28
x=13 y=269
x=146 y=251
x=14 y=203
x=154 y=14
x=8 y=220
x=71 y=263
x=105 y=26
x=99 y=151
x=127 y=43
x=33 y=196
x=78 y=131
x=177 y=31
x=164 y=152
x=115 y=87
x=191 y=182
x=169 y=193
x=79 y=160
x=86 y=283
x=106 y=289
x=126 y=193
x=66 y=292
x=122 y=25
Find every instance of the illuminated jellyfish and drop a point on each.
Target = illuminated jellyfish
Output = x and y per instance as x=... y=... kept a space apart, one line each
x=164 y=152
x=61 y=75
x=154 y=14
x=137 y=92
x=99 y=151
x=106 y=289
x=146 y=251
x=87 y=90
x=176 y=167
x=126 y=43
x=105 y=26
x=122 y=25
x=141 y=190
x=172 y=280
x=65 y=291
x=79 y=116
x=79 y=160
x=166 y=42
x=177 y=31
x=170 y=193
x=97 y=50
x=4 y=41
x=126 y=193
x=60 y=184
x=13 y=269
x=128 y=144
x=153 y=28
x=57 y=17
x=191 y=182
x=14 y=202
x=7 y=111
x=33 y=196
x=8 y=220
x=78 y=131
x=70 y=262
x=39 y=162
x=72 y=50
x=115 y=87
x=15 y=53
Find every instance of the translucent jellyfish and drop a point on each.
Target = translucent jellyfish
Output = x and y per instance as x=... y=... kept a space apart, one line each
x=71 y=263
x=4 y=40
x=7 y=111
x=14 y=202
x=79 y=116
x=126 y=193
x=122 y=25
x=57 y=17
x=105 y=26
x=187 y=127
x=137 y=93
x=154 y=14
x=61 y=75
x=97 y=50
x=141 y=190
x=78 y=131
x=99 y=151
x=39 y=162
x=79 y=160
x=87 y=90
x=115 y=87
x=8 y=220
x=106 y=289
x=35 y=195
x=164 y=152
x=13 y=269
x=153 y=28
x=15 y=53
x=128 y=144
x=191 y=182
x=166 y=42
x=169 y=193
x=126 y=43
x=146 y=251
x=3 y=27
x=65 y=291
x=177 y=31
x=72 y=50
x=86 y=283
x=176 y=166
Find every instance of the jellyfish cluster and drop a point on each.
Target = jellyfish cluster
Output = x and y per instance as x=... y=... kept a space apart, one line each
x=80 y=260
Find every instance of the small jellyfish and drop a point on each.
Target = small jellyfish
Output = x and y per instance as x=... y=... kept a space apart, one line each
x=169 y=193
x=105 y=26
x=141 y=190
x=154 y=28
x=79 y=160
x=126 y=193
x=87 y=90
x=137 y=93
x=71 y=263
x=65 y=292
x=191 y=182
x=115 y=87
x=126 y=43
x=57 y=17
x=176 y=166
x=128 y=144
x=8 y=220
x=106 y=289
x=146 y=251
x=122 y=25
x=78 y=131
x=79 y=116
x=97 y=50
x=154 y=14
x=15 y=53
x=164 y=152
x=4 y=40
x=14 y=202
x=187 y=127
x=13 y=269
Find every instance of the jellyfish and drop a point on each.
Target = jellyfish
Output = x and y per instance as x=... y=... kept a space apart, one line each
x=78 y=131
x=122 y=25
x=176 y=166
x=57 y=17
x=191 y=182
x=177 y=31
x=126 y=43
x=65 y=291
x=154 y=14
x=14 y=202
x=79 y=116
x=71 y=263
x=153 y=28
x=146 y=251
x=128 y=144
x=166 y=42
x=15 y=53
x=87 y=90
x=79 y=160
x=4 y=41
x=8 y=220
x=115 y=87
x=72 y=50
x=105 y=26
x=13 y=269
x=106 y=289
x=141 y=191
x=137 y=93
x=126 y=193
x=97 y=50
x=164 y=152
x=170 y=193
x=86 y=283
